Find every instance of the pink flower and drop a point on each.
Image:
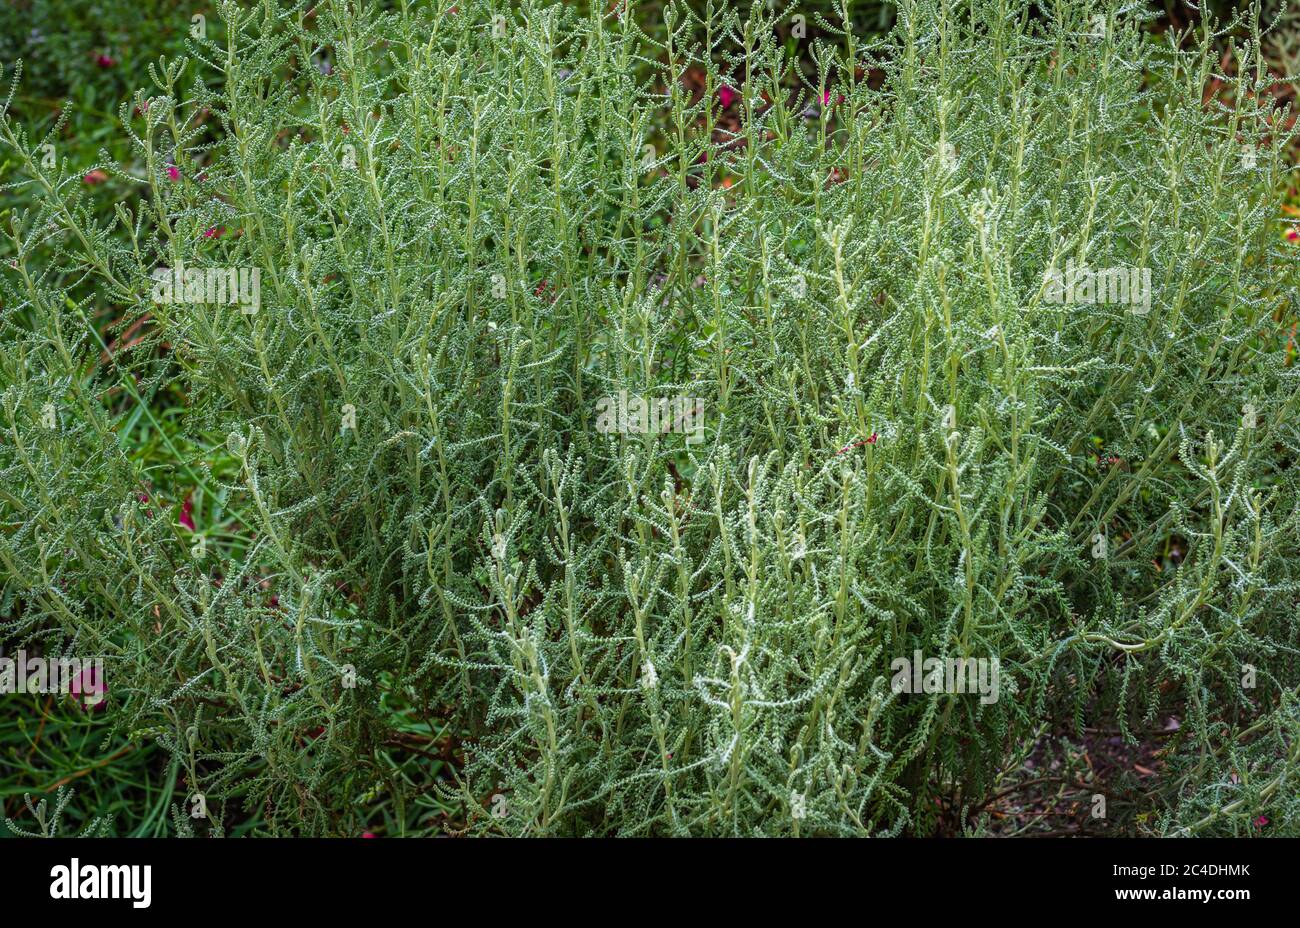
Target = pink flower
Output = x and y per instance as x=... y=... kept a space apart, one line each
x=94 y=177
x=173 y=172
x=541 y=291
x=187 y=508
x=104 y=61
x=89 y=689
x=369 y=834
x=1261 y=822
x=859 y=444
x=214 y=232
x=726 y=96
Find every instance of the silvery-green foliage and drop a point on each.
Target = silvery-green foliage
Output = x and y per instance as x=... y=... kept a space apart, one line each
x=907 y=444
x=47 y=819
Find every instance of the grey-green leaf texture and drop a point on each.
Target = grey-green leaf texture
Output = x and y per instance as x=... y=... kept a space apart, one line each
x=986 y=318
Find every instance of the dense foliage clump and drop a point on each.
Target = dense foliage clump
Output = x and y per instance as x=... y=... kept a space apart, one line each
x=416 y=568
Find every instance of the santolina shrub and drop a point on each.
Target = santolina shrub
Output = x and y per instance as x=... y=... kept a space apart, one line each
x=984 y=327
